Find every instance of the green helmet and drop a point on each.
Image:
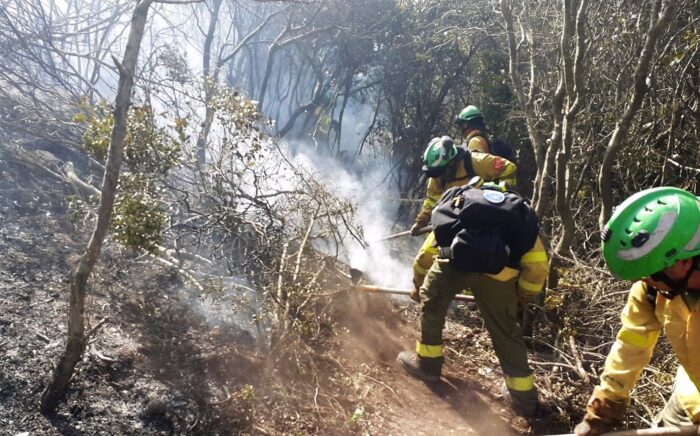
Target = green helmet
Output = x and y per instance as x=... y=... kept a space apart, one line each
x=650 y=231
x=438 y=154
x=470 y=114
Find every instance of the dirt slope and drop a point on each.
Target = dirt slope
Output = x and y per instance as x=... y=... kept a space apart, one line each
x=464 y=402
x=159 y=367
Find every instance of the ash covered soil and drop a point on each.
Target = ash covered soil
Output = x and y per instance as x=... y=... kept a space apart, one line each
x=156 y=366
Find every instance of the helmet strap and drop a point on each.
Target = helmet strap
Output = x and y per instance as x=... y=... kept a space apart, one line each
x=676 y=286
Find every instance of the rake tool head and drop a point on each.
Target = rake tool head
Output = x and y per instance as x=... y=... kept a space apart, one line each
x=355 y=275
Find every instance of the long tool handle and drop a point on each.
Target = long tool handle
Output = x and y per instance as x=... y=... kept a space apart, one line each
x=424 y=230
x=385 y=290
x=688 y=430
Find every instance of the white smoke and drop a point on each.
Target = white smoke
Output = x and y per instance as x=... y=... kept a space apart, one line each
x=376 y=202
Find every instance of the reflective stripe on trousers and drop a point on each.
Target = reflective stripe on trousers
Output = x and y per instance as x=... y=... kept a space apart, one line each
x=520 y=383
x=431 y=351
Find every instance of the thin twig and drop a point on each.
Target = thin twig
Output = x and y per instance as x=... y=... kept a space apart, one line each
x=577 y=358
x=384 y=385
x=97 y=326
x=101 y=356
x=225 y=400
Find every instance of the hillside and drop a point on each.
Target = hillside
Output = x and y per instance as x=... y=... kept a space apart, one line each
x=159 y=364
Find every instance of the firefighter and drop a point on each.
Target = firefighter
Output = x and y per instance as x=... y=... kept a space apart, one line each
x=653 y=237
x=471 y=122
x=448 y=165
x=497 y=296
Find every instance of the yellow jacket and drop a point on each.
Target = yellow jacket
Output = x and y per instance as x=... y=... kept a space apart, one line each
x=487 y=166
x=635 y=342
x=534 y=267
x=476 y=141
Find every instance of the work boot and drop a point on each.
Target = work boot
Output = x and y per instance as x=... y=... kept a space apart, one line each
x=523 y=403
x=425 y=368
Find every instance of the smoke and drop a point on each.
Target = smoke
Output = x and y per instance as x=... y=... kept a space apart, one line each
x=359 y=179
x=375 y=201
x=231 y=303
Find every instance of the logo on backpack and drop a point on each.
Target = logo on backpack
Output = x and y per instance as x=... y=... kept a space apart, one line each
x=494 y=197
x=482 y=229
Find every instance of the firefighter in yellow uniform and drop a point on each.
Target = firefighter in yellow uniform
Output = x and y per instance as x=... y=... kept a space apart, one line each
x=497 y=296
x=474 y=135
x=448 y=165
x=471 y=122
x=653 y=237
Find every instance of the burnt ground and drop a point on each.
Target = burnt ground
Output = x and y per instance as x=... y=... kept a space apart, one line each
x=148 y=369
x=156 y=366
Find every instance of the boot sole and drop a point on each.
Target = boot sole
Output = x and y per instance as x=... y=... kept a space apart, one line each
x=417 y=373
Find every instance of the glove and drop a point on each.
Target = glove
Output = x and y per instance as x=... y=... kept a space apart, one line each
x=525 y=297
x=415 y=295
x=415 y=229
x=602 y=413
x=417 y=282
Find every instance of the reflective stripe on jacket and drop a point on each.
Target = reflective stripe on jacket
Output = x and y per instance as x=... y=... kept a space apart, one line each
x=487 y=166
x=635 y=342
x=534 y=266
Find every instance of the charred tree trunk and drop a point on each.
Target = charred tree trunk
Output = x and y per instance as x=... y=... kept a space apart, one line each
x=346 y=98
x=574 y=29
x=77 y=339
x=546 y=170
x=209 y=86
x=656 y=26
x=210 y=75
x=524 y=102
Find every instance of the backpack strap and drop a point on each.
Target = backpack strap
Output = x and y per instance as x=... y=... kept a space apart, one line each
x=468 y=164
x=466 y=156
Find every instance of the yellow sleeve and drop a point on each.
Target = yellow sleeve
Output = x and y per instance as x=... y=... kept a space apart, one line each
x=534 y=268
x=424 y=260
x=493 y=168
x=633 y=346
x=478 y=143
x=435 y=191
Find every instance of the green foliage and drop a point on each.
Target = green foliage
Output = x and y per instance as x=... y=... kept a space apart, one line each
x=148 y=149
x=357 y=416
x=99 y=126
x=149 y=154
x=247 y=393
x=234 y=111
x=239 y=138
x=181 y=130
x=137 y=219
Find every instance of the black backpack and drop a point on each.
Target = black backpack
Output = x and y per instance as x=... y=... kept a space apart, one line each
x=483 y=230
x=502 y=148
